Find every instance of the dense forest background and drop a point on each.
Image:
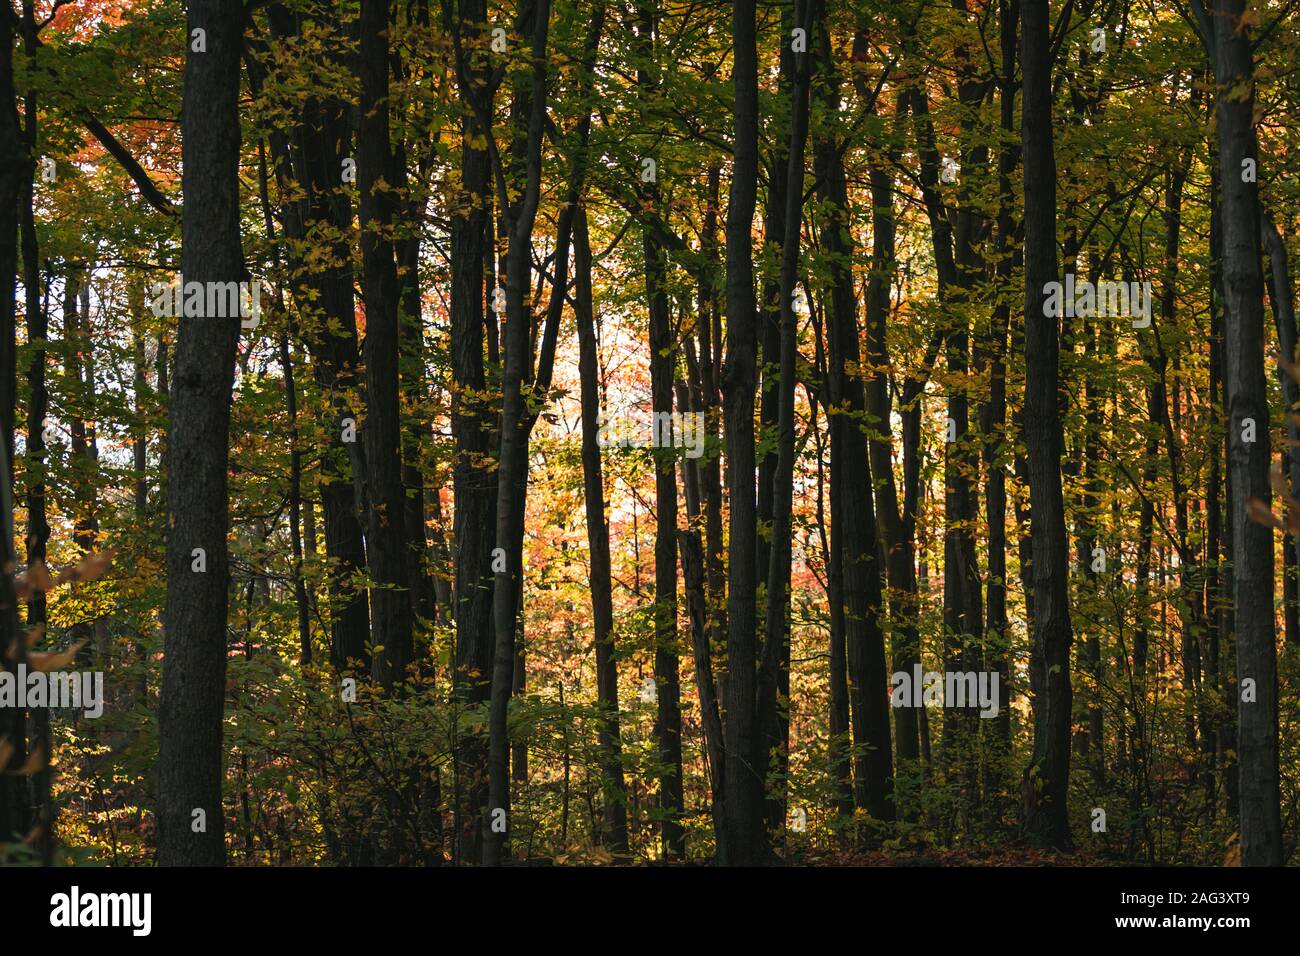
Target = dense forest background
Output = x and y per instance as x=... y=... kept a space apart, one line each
x=642 y=398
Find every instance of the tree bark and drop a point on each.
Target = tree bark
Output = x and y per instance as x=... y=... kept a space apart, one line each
x=512 y=472
x=744 y=780
x=1045 y=821
x=386 y=537
x=1252 y=564
x=194 y=664
x=602 y=605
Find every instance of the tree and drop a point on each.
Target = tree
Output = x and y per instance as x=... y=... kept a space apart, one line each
x=191 y=820
x=744 y=780
x=1045 y=819
x=1248 y=460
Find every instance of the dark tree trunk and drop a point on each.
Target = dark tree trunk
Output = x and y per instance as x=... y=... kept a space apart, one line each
x=38 y=528
x=993 y=422
x=772 y=744
x=853 y=519
x=386 y=533
x=602 y=605
x=295 y=503
x=16 y=169
x=308 y=160
x=1225 y=628
x=744 y=781
x=668 y=716
x=1252 y=558
x=472 y=424
x=701 y=555
x=516 y=423
x=190 y=754
x=897 y=527
x=663 y=362
x=1045 y=821
x=1281 y=294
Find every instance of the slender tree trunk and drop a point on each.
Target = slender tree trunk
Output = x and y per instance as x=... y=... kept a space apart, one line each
x=668 y=716
x=993 y=422
x=602 y=605
x=772 y=745
x=663 y=362
x=512 y=472
x=38 y=528
x=1281 y=294
x=16 y=169
x=295 y=503
x=744 y=781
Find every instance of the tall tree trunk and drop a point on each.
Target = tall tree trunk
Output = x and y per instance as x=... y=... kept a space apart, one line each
x=386 y=537
x=602 y=605
x=38 y=529
x=701 y=556
x=295 y=503
x=309 y=162
x=1252 y=558
x=663 y=362
x=993 y=421
x=772 y=744
x=512 y=471
x=1281 y=292
x=668 y=716
x=38 y=331
x=16 y=169
x=1045 y=821
x=472 y=420
x=194 y=663
x=744 y=780
x=853 y=526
